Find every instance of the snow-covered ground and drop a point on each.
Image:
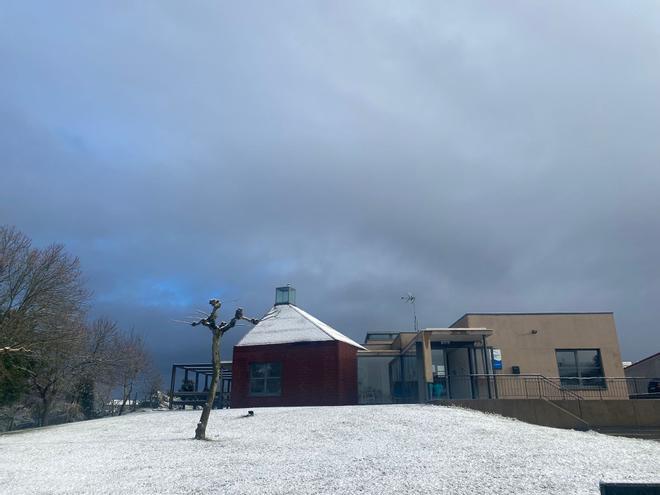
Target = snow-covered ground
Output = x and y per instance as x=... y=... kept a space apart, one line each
x=360 y=449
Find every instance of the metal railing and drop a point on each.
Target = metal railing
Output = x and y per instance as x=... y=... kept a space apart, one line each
x=534 y=386
x=182 y=399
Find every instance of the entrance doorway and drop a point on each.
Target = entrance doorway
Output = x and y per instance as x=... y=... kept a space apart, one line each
x=459 y=366
x=452 y=365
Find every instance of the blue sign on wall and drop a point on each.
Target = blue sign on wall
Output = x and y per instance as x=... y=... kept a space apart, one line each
x=497 y=359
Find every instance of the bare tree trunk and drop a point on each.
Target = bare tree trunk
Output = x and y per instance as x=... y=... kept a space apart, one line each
x=126 y=396
x=218 y=331
x=45 y=409
x=200 y=431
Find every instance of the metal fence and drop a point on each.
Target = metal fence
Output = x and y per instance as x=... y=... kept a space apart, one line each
x=198 y=399
x=502 y=386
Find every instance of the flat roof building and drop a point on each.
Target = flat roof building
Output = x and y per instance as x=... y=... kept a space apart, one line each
x=495 y=355
x=291 y=358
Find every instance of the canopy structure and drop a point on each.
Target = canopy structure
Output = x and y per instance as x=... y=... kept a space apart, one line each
x=194 y=392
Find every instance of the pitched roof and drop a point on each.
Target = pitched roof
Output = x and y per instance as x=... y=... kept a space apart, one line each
x=652 y=356
x=285 y=324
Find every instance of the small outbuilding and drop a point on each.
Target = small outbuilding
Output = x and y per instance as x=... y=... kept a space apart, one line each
x=291 y=358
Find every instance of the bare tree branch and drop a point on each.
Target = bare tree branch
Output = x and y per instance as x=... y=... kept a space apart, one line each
x=217 y=331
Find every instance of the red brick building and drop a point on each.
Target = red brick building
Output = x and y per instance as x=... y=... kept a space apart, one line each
x=293 y=359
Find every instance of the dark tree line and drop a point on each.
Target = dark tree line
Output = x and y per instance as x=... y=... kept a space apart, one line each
x=55 y=365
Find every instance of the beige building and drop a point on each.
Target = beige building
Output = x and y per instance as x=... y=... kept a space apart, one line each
x=496 y=355
x=530 y=340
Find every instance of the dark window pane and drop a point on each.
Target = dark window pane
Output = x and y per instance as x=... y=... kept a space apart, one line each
x=566 y=359
x=592 y=382
x=274 y=369
x=568 y=371
x=583 y=364
x=591 y=372
x=265 y=378
x=257 y=370
x=588 y=358
x=256 y=386
x=273 y=386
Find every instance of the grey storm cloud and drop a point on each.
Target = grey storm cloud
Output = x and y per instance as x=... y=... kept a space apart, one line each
x=487 y=157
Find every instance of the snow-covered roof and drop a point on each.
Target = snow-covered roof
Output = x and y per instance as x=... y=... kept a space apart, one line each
x=285 y=324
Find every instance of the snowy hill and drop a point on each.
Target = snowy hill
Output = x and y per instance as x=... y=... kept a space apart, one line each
x=358 y=449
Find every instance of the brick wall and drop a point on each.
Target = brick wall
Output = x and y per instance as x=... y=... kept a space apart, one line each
x=313 y=374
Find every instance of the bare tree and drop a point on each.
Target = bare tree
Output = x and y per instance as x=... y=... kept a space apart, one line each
x=217 y=331
x=151 y=385
x=44 y=339
x=100 y=366
x=36 y=287
x=133 y=360
x=58 y=366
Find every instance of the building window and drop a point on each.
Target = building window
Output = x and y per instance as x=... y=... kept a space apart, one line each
x=265 y=378
x=580 y=368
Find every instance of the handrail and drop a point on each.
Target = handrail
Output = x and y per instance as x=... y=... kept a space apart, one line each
x=559 y=387
x=537 y=376
x=537 y=385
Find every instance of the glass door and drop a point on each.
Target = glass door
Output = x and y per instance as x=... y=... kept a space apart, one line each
x=439 y=367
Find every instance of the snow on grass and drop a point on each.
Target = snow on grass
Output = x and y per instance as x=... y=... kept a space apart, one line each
x=355 y=449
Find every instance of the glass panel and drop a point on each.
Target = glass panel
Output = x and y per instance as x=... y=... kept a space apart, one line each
x=257 y=370
x=591 y=372
x=566 y=360
x=273 y=369
x=591 y=369
x=438 y=362
x=588 y=358
x=265 y=378
x=403 y=373
x=580 y=368
x=273 y=386
x=568 y=371
x=285 y=295
x=256 y=386
x=374 y=379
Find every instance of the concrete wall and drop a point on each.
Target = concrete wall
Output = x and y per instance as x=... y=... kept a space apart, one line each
x=535 y=352
x=572 y=414
x=313 y=373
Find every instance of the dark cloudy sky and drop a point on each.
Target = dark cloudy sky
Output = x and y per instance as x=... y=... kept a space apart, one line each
x=487 y=156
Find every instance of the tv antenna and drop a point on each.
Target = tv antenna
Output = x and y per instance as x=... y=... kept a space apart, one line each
x=410 y=299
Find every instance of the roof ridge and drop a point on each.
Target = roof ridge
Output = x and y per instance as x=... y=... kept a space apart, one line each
x=642 y=360
x=313 y=320
x=287 y=323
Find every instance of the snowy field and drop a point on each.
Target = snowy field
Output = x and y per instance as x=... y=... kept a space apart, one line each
x=360 y=449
